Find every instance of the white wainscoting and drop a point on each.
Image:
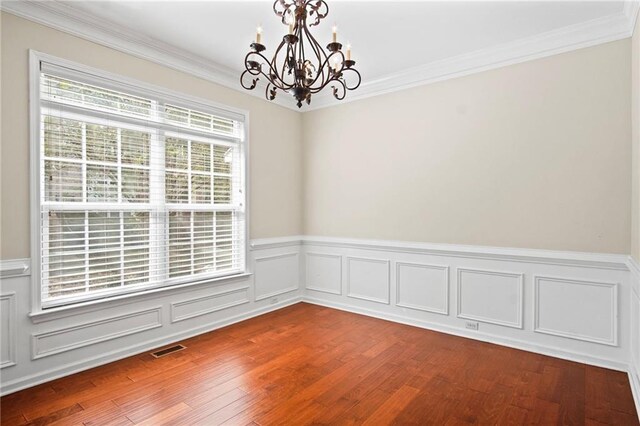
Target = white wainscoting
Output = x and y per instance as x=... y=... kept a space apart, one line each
x=38 y=349
x=523 y=298
x=594 y=309
x=494 y=297
x=8 y=329
x=90 y=333
x=423 y=287
x=368 y=279
x=324 y=272
x=198 y=306
x=507 y=291
x=277 y=274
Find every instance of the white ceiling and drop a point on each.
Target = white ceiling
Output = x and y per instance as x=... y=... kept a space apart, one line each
x=387 y=36
x=396 y=44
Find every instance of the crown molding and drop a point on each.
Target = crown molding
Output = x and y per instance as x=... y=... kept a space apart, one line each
x=630 y=9
x=66 y=18
x=585 y=34
x=63 y=17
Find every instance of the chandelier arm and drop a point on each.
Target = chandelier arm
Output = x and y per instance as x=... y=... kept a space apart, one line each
x=302 y=59
x=336 y=91
x=254 y=81
x=275 y=83
x=273 y=63
x=357 y=74
x=248 y=66
x=259 y=71
x=270 y=94
x=294 y=58
x=325 y=84
x=320 y=55
x=274 y=71
x=327 y=61
x=284 y=63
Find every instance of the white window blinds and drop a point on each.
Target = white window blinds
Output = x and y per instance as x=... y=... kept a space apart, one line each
x=137 y=189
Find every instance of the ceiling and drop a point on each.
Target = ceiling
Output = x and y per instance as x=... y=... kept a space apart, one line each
x=387 y=36
x=392 y=41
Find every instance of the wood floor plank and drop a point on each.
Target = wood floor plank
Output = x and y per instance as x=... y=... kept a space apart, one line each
x=165 y=416
x=307 y=364
x=390 y=409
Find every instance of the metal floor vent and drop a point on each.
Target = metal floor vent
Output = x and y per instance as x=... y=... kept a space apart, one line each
x=167 y=351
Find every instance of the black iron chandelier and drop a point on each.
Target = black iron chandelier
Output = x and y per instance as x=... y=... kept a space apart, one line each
x=300 y=65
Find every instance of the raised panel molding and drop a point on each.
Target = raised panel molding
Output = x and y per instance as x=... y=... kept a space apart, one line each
x=275 y=275
x=492 y=297
x=635 y=330
x=432 y=290
x=8 y=330
x=79 y=336
x=594 y=308
x=321 y=275
x=198 y=306
x=366 y=276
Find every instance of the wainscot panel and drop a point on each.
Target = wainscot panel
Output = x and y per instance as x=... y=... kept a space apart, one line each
x=577 y=309
x=423 y=287
x=71 y=340
x=324 y=273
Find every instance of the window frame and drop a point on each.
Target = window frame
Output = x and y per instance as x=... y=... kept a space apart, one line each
x=138 y=88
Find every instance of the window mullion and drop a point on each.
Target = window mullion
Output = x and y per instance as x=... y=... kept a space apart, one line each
x=121 y=221
x=120 y=214
x=86 y=212
x=86 y=251
x=84 y=162
x=192 y=250
x=158 y=217
x=44 y=218
x=214 y=231
x=192 y=213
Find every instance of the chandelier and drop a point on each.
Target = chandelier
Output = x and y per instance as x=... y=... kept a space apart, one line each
x=300 y=65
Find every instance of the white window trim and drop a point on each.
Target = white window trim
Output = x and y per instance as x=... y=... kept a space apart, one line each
x=35 y=60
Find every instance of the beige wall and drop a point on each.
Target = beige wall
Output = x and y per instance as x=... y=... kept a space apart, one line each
x=275 y=160
x=532 y=155
x=635 y=159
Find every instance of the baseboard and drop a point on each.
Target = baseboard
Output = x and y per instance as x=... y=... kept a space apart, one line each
x=66 y=370
x=484 y=337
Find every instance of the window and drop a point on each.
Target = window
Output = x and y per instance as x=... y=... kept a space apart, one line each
x=137 y=188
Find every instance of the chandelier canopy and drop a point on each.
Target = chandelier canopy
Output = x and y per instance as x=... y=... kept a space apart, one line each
x=300 y=65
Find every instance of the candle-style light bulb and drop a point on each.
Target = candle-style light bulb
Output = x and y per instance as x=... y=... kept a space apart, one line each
x=258 y=34
x=348 y=51
x=292 y=23
x=335 y=33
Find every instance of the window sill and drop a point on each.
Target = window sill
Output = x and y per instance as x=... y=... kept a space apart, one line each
x=52 y=314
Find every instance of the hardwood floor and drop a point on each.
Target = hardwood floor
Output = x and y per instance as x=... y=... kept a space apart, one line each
x=309 y=364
